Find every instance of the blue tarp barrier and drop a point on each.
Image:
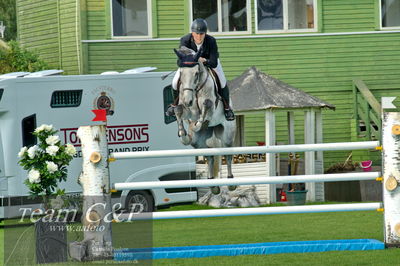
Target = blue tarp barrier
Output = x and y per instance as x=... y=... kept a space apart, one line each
x=247 y=249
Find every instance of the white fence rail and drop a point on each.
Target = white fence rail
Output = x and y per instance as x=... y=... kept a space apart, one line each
x=248 y=181
x=248 y=150
x=248 y=211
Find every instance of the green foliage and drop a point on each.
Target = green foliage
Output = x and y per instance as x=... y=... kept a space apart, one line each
x=46 y=162
x=15 y=58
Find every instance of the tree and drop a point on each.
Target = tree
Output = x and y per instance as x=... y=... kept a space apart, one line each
x=14 y=58
x=8 y=15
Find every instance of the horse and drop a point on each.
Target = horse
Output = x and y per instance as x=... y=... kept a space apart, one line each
x=201 y=109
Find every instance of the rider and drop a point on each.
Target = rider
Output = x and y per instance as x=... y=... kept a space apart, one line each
x=196 y=40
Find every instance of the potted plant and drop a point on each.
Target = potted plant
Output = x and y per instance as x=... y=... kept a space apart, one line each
x=296 y=194
x=46 y=164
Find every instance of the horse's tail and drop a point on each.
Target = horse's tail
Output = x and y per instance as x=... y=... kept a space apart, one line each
x=217 y=163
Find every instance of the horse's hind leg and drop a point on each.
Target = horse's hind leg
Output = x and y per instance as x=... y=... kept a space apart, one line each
x=229 y=166
x=210 y=164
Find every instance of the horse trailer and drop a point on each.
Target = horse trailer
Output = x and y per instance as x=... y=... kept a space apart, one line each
x=135 y=104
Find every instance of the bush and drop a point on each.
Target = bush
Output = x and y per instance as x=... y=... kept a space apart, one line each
x=15 y=58
x=46 y=162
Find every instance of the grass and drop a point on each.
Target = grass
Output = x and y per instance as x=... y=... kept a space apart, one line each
x=253 y=229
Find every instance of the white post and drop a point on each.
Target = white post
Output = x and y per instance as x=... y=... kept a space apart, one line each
x=319 y=162
x=391 y=177
x=290 y=119
x=97 y=211
x=270 y=158
x=309 y=160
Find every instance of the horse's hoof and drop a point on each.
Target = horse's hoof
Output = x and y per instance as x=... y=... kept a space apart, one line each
x=231 y=188
x=197 y=126
x=182 y=133
x=215 y=190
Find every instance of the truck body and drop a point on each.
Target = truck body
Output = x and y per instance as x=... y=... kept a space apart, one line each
x=135 y=105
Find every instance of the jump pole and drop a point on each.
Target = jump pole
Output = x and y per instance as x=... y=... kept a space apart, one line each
x=125 y=217
x=250 y=150
x=249 y=181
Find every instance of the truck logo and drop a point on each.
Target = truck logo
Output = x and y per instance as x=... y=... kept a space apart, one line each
x=124 y=134
x=104 y=102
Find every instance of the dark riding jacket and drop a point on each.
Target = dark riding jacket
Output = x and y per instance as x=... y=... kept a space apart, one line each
x=209 y=48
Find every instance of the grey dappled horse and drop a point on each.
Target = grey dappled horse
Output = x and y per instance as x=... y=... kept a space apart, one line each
x=202 y=111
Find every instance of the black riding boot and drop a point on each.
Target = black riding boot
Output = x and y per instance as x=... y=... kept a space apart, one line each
x=170 y=111
x=229 y=115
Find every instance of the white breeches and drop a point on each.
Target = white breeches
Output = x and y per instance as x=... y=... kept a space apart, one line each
x=218 y=70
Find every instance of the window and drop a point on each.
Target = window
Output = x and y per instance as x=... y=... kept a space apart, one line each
x=390 y=13
x=70 y=98
x=131 y=18
x=168 y=100
x=28 y=126
x=1 y=93
x=223 y=16
x=285 y=15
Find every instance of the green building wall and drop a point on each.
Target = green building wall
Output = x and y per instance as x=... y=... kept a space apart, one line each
x=348 y=45
x=52 y=29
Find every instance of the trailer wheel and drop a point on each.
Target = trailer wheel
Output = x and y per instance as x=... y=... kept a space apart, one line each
x=139 y=201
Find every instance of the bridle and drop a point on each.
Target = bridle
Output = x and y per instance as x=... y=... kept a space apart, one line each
x=199 y=85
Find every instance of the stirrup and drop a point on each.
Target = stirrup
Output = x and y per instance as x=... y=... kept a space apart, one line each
x=229 y=115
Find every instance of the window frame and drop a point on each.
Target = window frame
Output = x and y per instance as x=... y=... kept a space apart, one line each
x=168 y=99
x=380 y=19
x=219 y=11
x=285 y=20
x=149 y=23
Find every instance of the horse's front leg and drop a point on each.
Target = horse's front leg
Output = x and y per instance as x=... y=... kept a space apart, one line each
x=207 y=104
x=210 y=164
x=185 y=138
x=229 y=167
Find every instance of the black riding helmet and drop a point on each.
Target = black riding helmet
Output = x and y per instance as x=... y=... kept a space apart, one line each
x=199 y=25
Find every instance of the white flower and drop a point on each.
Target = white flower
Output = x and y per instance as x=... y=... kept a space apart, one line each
x=22 y=152
x=53 y=139
x=32 y=151
x=52 y=150
x=70 y=149
x=34 y=176
x=44 y=127
x=51 y=167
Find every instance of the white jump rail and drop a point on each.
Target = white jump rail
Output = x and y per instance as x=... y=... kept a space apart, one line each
x=125 y=217
x=248 y=150
x=248 y=181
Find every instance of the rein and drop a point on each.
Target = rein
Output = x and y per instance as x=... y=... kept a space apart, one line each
x=198 y=87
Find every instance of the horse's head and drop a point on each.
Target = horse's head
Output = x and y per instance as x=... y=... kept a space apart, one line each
x=191 y=72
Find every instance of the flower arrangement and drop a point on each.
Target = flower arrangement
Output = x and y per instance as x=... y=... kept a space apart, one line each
x=46 y=162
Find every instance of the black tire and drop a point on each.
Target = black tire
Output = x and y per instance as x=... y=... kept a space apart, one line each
x=139 y=201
